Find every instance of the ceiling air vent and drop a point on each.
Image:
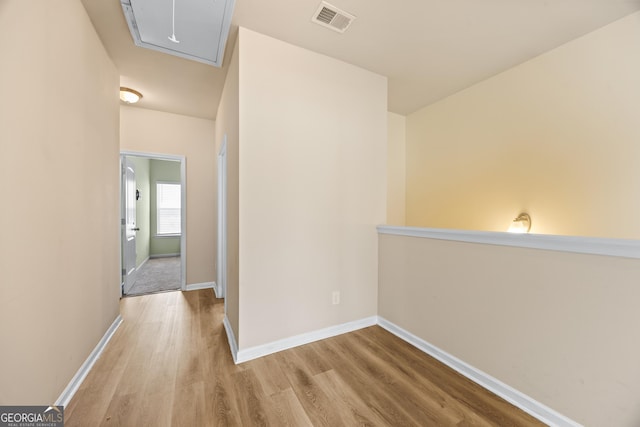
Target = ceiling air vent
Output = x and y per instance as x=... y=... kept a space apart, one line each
x=331 y=17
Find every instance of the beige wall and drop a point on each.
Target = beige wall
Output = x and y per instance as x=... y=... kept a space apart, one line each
x=559 y=327
x=59 y=185
x=313 y=138
x=152 y=131
x=227 y=123
x=396 y=169
x=556 y=136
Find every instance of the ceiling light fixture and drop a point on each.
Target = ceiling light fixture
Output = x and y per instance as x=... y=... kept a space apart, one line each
x=129 y=96
x=521 y=224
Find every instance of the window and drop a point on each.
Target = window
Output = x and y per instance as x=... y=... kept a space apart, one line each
x=168 y=209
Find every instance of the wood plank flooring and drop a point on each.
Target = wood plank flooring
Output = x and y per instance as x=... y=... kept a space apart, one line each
x=169 y=364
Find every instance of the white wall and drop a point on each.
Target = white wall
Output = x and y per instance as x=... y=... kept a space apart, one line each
x=556 y=136
x=312 y=187
x=59 y=256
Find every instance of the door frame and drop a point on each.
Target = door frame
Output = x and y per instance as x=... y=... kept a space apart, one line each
x=183 y=207
x=221 y=285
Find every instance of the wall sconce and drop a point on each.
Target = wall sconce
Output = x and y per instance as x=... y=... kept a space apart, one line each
x=520 y=224
x=129 y=96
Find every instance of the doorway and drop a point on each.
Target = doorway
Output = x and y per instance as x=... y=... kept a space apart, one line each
x=153 y=212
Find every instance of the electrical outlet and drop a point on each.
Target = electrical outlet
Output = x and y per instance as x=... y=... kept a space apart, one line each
x=336 y=297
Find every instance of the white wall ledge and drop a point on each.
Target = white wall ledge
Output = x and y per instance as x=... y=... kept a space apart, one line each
x=583 y=245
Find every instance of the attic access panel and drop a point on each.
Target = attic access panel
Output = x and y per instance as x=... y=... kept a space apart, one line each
x=191 y=29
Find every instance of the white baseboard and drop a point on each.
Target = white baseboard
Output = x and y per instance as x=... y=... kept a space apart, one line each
x=165 y=255
x=196 y=286
x=82 y=373
x=231 y=338
x=511 y=395
x=306 y=338
x=217 y=290
x=142 y=263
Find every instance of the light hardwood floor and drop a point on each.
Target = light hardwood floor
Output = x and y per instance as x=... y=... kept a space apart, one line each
x=169 y=364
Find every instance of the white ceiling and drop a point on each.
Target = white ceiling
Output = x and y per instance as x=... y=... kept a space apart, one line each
x=428 y=49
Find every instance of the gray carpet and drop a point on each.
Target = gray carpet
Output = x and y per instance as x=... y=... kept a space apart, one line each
x=157 y=275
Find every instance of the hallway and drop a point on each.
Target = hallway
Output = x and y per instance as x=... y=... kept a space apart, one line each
x=170 y=364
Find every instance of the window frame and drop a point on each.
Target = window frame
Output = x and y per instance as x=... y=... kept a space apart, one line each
x=157 y=209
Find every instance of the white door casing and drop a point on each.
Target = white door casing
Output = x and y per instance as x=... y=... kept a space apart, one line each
x=129 y=232
x=221 y=285
x=123 y=202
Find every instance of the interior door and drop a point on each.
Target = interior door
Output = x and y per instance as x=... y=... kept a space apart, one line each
x=129 y=233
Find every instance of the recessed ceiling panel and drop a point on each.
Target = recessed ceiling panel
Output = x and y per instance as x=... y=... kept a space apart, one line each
x=192 y=29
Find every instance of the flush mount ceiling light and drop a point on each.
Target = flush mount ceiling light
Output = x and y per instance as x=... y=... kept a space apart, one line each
x=129 y=96
x=521 y=224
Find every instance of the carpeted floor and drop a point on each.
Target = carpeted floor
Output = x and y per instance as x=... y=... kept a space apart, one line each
x=157 y=275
